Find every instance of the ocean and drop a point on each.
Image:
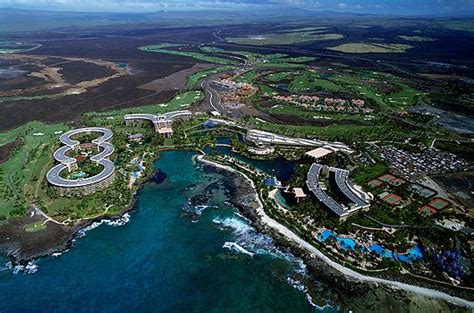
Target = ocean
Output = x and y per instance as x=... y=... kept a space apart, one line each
x=183 y=249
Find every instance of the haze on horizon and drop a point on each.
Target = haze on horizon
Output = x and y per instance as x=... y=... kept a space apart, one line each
x=403 y=7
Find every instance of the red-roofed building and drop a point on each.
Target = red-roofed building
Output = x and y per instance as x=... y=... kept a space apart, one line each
x=80 y=158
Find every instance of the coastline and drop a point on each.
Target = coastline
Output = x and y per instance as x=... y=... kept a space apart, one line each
x=62 y=237
x=316 y=260
x=286 y=235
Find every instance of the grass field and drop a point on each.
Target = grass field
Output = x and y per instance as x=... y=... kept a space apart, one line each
x=278 y=76
x=371 y=48
x=287 y=38
x=266 y=91
x=180 y=102
x=336 y=132
x=247 y=77
x=171 y=49
x=417 y=38
x=307 y=81
x=196 y=78
x=465 y=25
x=21 y=175
x=275 y=60
x=367 y=173
x=35 y=227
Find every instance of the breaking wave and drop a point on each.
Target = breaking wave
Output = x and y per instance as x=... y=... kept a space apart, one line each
x=250 y=242
x=254 y=242
x=194 y=211
x=124 y=219
x=29 y=268
x=233 y=246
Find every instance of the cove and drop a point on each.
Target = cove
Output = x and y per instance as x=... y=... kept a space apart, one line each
x=162 y=261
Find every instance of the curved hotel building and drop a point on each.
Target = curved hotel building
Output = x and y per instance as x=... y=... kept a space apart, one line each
x=82 y=186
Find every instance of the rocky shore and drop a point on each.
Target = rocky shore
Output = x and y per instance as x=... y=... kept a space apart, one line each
x=21 y=247
x=351 y=286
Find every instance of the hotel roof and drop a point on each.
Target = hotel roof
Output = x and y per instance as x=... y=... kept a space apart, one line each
x=299 y=193
x=319 y=152
x=53 y=175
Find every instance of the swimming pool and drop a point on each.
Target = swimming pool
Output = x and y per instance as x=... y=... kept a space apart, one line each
x=349 y=244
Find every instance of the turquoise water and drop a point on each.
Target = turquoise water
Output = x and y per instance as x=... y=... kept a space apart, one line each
x=349 y=244
x=280 y=168
x=164 y=261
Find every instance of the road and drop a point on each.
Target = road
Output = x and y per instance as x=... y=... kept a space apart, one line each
x=211 y=95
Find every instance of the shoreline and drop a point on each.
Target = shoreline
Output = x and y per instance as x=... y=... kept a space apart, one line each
x=283 y=236
x=348 y=273
x=74 y=231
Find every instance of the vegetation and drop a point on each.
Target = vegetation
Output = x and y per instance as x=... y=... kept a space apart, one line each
x=284 y=38
x=417 y=38
x=463 y=25
x=371 y=48
x=366 y=173
x=35 y=227
x=21 y=175
x=308 y=80
x=168 y=48
x=196 y=78
x=181 y=101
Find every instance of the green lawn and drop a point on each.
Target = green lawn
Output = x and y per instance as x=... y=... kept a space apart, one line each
x=35 y=227
x=278 y=76
x=366 y=173
x=20 y=174
x=464 y=25
x=308 y=81
x=196 y=78
x=170 y=49
x=266 y=91
x=276 y=60
x=247 y=77
x=180 y=102
x=284 y=38
x=406 y=96
x=362 y=47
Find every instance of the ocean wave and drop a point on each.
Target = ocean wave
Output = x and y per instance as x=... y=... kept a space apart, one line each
x=233 y=246
x=29 y=268
x=194 y=211
x=121 y=221
x=257 y=243
x=58 y=254
x=298 y=285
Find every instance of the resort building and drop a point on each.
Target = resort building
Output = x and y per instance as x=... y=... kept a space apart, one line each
x=162 y=122
x=319 y=153
x=356 y=199
x=260 y=137
x=299 y=194
x=261 y=150
x=82 y=186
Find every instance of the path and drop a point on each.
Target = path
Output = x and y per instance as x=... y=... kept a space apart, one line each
x=289 y=234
